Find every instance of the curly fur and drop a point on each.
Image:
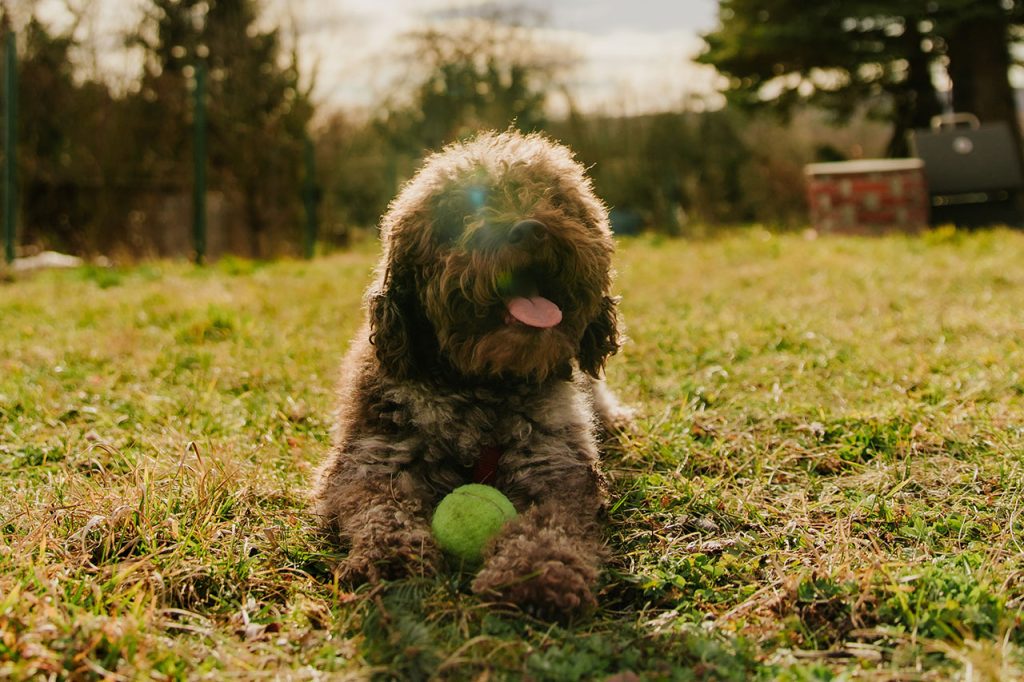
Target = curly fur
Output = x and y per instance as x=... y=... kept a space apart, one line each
x=439 y=372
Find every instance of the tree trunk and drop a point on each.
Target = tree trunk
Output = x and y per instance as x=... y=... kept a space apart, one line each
x=915 y=101
x=979 y=62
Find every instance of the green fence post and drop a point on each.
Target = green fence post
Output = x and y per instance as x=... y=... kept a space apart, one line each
x=310 y=197
x=10 y=143
x=199 y=161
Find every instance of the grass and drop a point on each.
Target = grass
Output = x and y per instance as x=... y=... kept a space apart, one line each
x=826 y=483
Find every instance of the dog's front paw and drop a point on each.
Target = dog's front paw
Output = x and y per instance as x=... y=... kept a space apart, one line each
x=550 y=589
x=395 y=556
x=544 y=562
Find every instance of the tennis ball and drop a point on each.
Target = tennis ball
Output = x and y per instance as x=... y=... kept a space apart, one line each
x=468 y=517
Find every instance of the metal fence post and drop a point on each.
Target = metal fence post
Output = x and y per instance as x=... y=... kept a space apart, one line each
x=199 y=161
x=10 y=143
x=310 y=197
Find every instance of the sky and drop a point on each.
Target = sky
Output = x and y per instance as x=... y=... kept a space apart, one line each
x=635 y=56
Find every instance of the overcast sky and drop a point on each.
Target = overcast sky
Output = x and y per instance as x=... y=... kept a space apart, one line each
x=635 y=54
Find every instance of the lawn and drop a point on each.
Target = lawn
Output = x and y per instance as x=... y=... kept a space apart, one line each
x=826 y=480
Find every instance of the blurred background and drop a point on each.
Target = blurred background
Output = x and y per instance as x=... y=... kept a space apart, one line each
x=274 y=122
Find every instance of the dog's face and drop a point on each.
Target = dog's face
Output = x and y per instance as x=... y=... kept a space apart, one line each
x=497 y=263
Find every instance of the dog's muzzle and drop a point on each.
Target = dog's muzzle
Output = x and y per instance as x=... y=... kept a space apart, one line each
x=527 y=233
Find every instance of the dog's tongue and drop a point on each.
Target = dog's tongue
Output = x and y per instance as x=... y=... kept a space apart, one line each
x=535 y=311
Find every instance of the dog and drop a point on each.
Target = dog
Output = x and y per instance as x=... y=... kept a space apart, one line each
x=489 y=323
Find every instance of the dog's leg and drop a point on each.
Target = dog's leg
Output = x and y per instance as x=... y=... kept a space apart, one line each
x=613 y=415
x=385 y=522
x=547 y=559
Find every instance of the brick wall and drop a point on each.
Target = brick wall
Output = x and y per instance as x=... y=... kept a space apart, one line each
x=869 y=196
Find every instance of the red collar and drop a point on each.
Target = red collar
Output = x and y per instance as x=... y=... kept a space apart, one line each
x=486 y=469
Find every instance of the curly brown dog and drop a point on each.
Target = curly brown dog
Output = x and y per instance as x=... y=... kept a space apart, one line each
x=490 y=320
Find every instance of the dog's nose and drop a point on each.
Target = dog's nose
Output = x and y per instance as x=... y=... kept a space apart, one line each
x=527 y=231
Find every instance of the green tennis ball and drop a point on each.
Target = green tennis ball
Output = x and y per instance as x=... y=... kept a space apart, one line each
x=468 y=517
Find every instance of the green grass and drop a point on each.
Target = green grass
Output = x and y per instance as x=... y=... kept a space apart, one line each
x=827 y=479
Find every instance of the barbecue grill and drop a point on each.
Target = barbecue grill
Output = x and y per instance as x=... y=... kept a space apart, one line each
x=973 y=171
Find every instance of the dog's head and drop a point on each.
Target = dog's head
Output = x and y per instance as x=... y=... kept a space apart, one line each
x=497 y=263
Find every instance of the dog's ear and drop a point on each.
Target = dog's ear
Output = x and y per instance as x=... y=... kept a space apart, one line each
x=600 y=338
x=392 y=307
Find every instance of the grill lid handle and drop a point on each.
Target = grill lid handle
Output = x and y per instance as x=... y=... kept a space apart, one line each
x=954 y=120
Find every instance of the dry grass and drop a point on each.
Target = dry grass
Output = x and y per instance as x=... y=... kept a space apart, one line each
x=827 y=481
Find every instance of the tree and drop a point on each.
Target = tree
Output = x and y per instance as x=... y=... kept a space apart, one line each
x=66 y=142
x=978 y=35
x=258 y=111
x=841 y=54
x=476 y=68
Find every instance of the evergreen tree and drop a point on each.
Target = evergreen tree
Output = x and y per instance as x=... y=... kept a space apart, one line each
x=839 y=54
x=257 y=110
x=64 y=157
